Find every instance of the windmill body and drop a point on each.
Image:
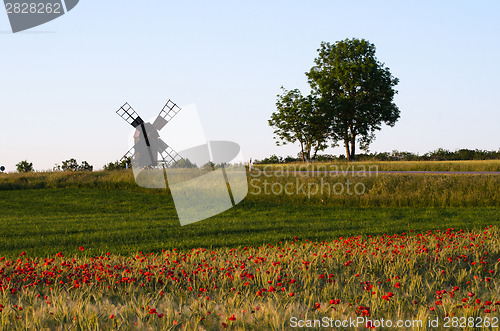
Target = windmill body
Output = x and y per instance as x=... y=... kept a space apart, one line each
x=146 y=146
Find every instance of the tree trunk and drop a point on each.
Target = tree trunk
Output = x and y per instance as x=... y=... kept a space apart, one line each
x=315 y=151
x=302 y=151
x=353 y=150
x=353 y=146
x=347 y=150
x=308 y=151
x=346 y=143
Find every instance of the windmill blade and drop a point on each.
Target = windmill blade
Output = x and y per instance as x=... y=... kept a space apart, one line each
x=129 y=115
x=130 y=154
x=167 y=113
x=168 y=155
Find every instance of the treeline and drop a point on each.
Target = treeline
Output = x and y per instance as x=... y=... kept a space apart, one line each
x=439 y=154
x=68 y=165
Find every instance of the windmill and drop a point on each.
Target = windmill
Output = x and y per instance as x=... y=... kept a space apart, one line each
x=149 y=149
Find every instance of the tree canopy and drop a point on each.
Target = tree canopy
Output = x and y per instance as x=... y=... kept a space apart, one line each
x=24 y=166
x=117 y=165
x=299 y=119
x=352 y=96
x=356 y=91
x=72 y=165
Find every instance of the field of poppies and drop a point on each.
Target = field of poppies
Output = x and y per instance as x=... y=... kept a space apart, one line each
x=448 y=274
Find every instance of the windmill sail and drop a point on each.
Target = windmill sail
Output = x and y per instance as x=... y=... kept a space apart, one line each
x=129 y=154
x=129 y=115
x=168 y=155
x=167 y=113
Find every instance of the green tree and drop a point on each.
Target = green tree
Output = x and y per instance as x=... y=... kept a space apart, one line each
x=356 y=92
x=69 y=165
x=122 y=164
x=299 y=119
x=85 y=166
x=72 y=165
x=24 y=166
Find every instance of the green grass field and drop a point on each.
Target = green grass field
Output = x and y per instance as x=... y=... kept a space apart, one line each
x=44 y=213
x=45 y=221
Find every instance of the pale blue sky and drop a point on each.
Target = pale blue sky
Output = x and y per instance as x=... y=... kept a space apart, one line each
x=60 y=83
